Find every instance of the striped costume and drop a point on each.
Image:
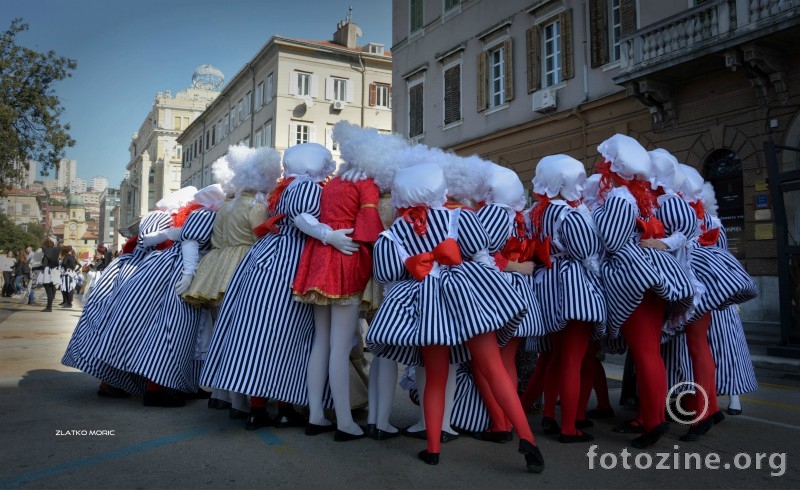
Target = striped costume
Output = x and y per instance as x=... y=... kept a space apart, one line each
x=262 y=337
x=152 y=332
x=448 y=306
x=105 y=294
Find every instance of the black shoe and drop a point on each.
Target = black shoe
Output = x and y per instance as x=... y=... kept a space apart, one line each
x=600 y=413
x=290 y=418
x=47 y=309
x=650 y=437
x=62 y=304
x=696 y=431
x=499 y=436
x=583 y=424
x=533 y=457
x=66 y=307
x=579 y=437
x=109 y=391
x=420 y=434
x=342 y=436
x=373 y=432
x=315 y=430
x=718 y=417
x=446 y=437
x=257 y=419
x=200 y=394
x=217 y=404
x=550 y=426
x=237 y=414
x=734 y=411
x=629 y=427
x=161 y=399
x=428 y=458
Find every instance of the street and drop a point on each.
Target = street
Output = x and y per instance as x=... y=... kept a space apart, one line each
x=57 y=433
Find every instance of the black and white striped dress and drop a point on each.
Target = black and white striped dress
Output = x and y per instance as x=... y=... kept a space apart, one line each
x=569 y=290
x=152 y=332
x=628 y=270
x=718 y=279
x=469 y=412
x=262 y=337
x=104 y=297
x=445 y=308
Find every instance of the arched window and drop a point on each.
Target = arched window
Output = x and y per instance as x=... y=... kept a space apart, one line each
x=724 y=172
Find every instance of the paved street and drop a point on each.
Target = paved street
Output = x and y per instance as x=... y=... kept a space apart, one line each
x=195 y=447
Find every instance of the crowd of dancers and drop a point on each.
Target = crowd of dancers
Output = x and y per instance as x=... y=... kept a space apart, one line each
x=254 y=287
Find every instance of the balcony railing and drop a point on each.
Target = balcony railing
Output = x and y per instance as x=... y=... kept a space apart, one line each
x=700 y=27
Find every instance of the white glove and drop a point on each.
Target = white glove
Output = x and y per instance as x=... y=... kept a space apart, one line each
x=182 y=285
x=311 y=226
x=173 y=233
x=675 y=241
x=154 y=238
x=354 y=175
x=483 y=257
x=190 y=253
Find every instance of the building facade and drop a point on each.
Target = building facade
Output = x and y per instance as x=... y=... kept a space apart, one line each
x=154 y=169
x=517 y=80
x=292 y=91
x=109 y=200
x=67 y=175
x=99 y=183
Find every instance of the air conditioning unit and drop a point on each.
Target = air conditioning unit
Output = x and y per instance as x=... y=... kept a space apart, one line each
x=544 y=100
x=338 y=105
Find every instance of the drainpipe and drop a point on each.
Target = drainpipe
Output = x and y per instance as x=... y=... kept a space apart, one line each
x=203 y=156
x=252 y=102
x=585 y=51
x=364 y=90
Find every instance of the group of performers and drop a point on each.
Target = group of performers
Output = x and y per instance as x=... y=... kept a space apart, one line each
x=254 y=287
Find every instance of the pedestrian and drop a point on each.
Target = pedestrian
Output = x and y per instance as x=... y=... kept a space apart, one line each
x=69 y=275
x=7 y=266
x=22 y=273
x=50 y=276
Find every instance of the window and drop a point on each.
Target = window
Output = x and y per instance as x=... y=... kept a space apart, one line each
x=213 y=135
x=248 y=100
x=259 y=95
x=379 y=94
x=270 y=88
x=176 y=124
x=336 y=89
x=300 y=133
x=550 y=52
x=495 y=76
x=208 y=139
x=267 y=135
x=240 y=112
x=452 y=93
x=451 y=4
x=416 y=16
x=615 y=28
x=330 y=143
x=415 y=109
x=301 y=85
x=608 y=19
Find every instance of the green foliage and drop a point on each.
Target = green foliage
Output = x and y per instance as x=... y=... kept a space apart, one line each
x=29 y=109
x=14 y=237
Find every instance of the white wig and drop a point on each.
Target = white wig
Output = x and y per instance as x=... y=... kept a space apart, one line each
x=467 y=178
x=254 y=169
x=370 y=152
x=223 y=175
x=709 y=198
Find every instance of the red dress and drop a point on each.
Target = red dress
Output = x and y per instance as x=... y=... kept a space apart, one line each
x=325 y=275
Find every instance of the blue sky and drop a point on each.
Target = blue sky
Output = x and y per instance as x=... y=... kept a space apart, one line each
x=129 y=51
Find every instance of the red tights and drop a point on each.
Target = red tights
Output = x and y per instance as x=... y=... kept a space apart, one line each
x=508 y=354
x=703 y=366
x=487 y=361
x=642 y=332
x=537 y=384
x=570 y=346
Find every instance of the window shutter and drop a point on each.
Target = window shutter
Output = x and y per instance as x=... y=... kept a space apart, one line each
x=508 y=76
x=390 y=97
x=348 y=90
x=567 y=57
x=598 y=24
x=532 y=40
x=292 y=134
x=329 y=88
x=312 y=133
x=314 y=90
x=481 y=86
x=373 y=94
x=627 y=13
x=293 y=83
x=328 y=138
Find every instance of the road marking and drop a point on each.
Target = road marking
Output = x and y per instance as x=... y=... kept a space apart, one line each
x=770 y=422
x=767 y=402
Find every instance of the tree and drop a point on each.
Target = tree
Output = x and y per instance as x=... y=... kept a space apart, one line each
x=30 y=128
x=14 y=237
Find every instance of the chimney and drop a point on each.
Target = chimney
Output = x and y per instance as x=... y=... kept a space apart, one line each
x=347 y=32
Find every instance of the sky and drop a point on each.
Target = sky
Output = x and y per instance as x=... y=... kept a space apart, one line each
x=127 y=52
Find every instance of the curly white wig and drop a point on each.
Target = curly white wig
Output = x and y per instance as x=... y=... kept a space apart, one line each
x=254 y=169
x=365 y=149
x=709 y=199
x=223 y=175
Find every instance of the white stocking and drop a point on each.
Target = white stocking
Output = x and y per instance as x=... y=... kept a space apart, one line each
x=382 y=385
x=317 y=373
x=344 y=321
x=419 y=377
x=735 y=403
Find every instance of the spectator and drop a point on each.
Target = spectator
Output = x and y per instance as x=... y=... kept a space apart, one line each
x=50 y=274
x=7 y=266
x=69 y=276
x=22 y=273
x=35 y=263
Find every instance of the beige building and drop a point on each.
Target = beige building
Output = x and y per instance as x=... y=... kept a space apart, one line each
x=23 y=206
x=154 y=169
x=292 y=91
x=711 y=82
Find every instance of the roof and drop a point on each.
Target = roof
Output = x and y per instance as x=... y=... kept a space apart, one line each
x=331 y=44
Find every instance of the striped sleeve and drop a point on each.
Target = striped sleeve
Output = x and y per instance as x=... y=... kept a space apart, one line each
x=678 y=217
x=387 y=265
x=579 y=237
x=198 y=226
x=497 y=224
x=304 y=198
x=616 y=220
x=472 y=237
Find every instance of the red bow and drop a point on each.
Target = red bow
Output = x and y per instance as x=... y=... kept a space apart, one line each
x=268 y=226
x=652 y=228
x=417 y=216
x=541 y=251
x=709 y=238
x=446 y=253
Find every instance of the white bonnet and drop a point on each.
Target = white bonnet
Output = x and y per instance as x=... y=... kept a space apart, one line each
x=419 y=185
x=692 y=188
x=591 y=191
x=559 y=174
x=173 y=202
x=210 y=197
x=506 y=188
x=665 y=171
x=628 y=158
x=308 y=159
